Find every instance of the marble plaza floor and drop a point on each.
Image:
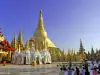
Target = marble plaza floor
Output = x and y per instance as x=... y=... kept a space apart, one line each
x=48 y=69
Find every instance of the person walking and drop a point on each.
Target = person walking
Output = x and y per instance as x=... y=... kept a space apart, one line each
x=87 y=71
x=77 y=72
x=61 y=71
x=95 y=72
x=69 y=71
x=4 y=60
x=83 y=71
x=99 y=69
x=64 y=68
x=66 y=72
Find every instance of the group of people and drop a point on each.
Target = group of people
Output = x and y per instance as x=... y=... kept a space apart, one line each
x=83 y=70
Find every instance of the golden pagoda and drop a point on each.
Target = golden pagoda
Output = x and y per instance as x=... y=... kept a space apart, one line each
x=81 y=52
x=40 y=34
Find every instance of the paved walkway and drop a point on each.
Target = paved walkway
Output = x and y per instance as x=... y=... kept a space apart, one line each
x=48 y=69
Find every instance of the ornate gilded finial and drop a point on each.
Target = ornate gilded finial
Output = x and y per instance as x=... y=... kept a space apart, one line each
x=40 y=11
x=40 y=22
x=40 y=17
x=81 y=43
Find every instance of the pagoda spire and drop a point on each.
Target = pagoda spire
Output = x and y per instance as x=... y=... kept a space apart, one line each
x=92 y=53
x=20 y=39
x=14 y=41
x=27 y=45
x=92 y=50
x=40 y=32
x=81 y=46
x=81 y=43
x=40 y=21
x=81 y=51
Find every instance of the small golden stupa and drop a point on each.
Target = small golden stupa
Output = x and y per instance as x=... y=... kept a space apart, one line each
x=40 y=34
x=81 y=52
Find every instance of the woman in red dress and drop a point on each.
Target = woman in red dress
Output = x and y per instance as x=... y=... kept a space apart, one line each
x=4 y=63
x=4 y=60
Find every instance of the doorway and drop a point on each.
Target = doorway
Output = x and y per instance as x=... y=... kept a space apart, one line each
x=24 y=60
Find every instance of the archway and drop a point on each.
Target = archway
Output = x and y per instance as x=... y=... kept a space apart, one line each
x=24 y=60
x=43 y=60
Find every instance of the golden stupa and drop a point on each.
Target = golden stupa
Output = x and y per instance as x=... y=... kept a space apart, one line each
x=40 y=33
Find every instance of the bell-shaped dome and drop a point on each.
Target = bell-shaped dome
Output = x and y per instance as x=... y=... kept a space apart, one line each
x=40 y=32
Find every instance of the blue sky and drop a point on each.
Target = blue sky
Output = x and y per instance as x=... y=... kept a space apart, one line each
x=66 y=21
